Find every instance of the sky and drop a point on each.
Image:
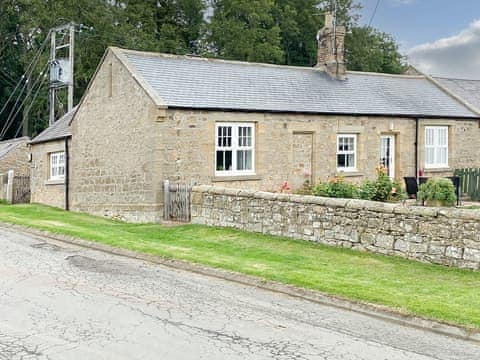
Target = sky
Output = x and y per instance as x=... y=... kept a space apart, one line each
x=440 y=37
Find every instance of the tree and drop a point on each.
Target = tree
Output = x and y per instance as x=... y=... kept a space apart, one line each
x=368 y=49
x=10 y=70
x=152 y=25
x=299 y=21
x=245 y=30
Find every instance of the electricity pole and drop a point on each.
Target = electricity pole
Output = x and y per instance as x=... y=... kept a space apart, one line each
x=61 y=67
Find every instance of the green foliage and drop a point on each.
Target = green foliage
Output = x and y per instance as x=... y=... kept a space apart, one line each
x=245 y=30
x=368 y=49
x=382 y=189
x=337 y=188
x=367 y=190
x=438 y=190
x=344 y=272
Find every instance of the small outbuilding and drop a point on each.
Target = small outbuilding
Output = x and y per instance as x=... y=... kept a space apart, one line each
x=49 y=171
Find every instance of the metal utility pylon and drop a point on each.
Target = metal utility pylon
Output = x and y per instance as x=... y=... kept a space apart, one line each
x=56 y=81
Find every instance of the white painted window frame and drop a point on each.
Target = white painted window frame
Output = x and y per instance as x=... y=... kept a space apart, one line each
x=436 y=146
x=344 y=152
x=56 y=162
x=234 y=148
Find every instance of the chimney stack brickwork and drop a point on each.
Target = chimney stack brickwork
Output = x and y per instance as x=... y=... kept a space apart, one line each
x=331 y=49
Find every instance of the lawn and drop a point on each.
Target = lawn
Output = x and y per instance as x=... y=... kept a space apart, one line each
x=431 y=291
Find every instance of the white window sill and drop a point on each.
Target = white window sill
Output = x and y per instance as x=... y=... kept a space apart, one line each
x=349 y=173
x=220 y=178
x=55 y=182
x=437 y=169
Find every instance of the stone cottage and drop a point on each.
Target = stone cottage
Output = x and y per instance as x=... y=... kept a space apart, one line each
x=149 y=117
x=14 y=155
x=49 y=163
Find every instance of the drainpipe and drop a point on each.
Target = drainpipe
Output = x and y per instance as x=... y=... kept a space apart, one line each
x=67 y=163
x=416 y=147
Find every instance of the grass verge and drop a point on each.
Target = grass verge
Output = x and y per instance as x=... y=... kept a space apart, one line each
x=431 y=291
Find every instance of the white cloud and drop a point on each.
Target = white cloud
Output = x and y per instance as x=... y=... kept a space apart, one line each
x=455 y=56
x=402 y=2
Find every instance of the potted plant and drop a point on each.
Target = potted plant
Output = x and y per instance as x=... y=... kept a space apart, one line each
x=437 y=192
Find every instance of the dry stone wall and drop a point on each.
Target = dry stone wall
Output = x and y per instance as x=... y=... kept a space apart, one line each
x=436 y=235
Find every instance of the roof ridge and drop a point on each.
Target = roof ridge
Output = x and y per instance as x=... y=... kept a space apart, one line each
x=448 y=78
x=252 y=63
x=14 y=140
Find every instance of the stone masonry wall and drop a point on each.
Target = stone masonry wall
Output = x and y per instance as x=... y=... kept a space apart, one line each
x=17 y=159
x=42 y=189
x=436 y=235
x=114 y=134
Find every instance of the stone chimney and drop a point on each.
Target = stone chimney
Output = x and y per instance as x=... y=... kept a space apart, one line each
x=331 y=49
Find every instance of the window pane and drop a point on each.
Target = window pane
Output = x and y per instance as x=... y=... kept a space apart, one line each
x=240 y=160
x=350 y=160
x=244 y=160
x=430 y=156
x=442 y=136
x=228 y=160
x=224 y=136
x=349 y=146
x=442 y=156
x=244 y=136
x=341 y=161
x=429 y=136
x=220 y=161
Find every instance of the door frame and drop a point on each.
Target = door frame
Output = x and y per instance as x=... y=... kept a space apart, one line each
x=391 y=169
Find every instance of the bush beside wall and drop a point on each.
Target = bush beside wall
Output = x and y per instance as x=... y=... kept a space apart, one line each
x=437 y=235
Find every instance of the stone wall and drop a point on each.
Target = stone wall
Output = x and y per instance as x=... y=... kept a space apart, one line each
x=114 y=134
x=43 y=190
x=296 y=147
x=17 y=158
x=437 y=235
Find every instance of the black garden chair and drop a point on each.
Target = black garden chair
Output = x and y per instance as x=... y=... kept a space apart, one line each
x=411 y=186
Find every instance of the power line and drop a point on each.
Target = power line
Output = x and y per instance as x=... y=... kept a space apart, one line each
x=13 y=114
x=27 y=74
x=32 y=102
x=374 y=13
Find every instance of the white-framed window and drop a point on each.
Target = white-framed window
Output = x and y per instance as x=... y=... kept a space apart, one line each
x=436 y=147
x=346 y=152
x=57 y=165
x=234 y=149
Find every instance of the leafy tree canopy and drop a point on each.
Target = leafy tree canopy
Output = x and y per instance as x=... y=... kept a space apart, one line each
x=273 y=31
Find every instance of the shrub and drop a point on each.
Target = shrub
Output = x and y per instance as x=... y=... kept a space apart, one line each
x=367 y=190
x=337 y=188
x=382 y=189
x=438 y=190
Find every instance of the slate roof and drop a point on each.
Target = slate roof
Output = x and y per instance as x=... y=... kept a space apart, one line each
x=8 y=145
x=190 y=82
x=467 y=90
x=59 y=130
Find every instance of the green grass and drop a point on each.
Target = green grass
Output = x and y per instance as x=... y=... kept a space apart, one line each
x=431 y=291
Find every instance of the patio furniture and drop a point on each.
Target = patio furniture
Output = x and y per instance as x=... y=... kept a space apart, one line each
x=411 y=186
x=456 y=183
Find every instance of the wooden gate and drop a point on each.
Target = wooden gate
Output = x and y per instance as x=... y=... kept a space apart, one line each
x=21 y=189
x=469 y=182
x=176 y=201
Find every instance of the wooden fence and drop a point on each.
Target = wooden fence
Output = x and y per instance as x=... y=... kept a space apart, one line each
x=176 y=201
x=469 y=182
